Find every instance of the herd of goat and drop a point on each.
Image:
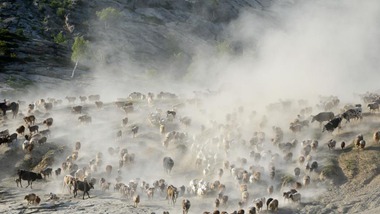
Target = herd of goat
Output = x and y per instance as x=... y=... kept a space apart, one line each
x=229 y=162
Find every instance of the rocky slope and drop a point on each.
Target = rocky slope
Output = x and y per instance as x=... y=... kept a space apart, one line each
x=37 y=35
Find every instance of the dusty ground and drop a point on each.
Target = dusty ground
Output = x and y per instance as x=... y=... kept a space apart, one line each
x=353 y=188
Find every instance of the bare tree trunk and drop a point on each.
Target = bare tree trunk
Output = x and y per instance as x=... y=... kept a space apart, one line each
x=75 y=67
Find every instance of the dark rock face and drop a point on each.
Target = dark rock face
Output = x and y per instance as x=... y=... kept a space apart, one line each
x=149 y=33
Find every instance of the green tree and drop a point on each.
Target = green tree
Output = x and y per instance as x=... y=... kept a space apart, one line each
x=60 y=38
x=79 y=49
x=108 y=14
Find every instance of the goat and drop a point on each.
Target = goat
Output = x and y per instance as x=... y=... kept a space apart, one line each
x=48 y=122
x=33 y=129
x=295 y=197
x=82 y=98
x=77 y=109
x=94 y=97
x=82 y=186
x=136 y=200
x=273 y=205
x=331 y=144
x=332 y=124
x=32 y=198
x=172 y=194
x=30 y=120
x=185 y=206
x=46 y=172
x=28 y=176
x=373 y=106
x=68 y=181
x=85 y=119
x=322 y=117
x=20 y=130
x=168 y=164
x=376 y=137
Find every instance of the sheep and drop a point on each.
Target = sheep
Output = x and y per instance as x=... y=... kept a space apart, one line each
x=68 y=181
x=355 y=113
x=85 y=119
x=136 y=200
x=48 y=122
x=343 y=144
x=94 y=97
x=295 y=197
x=332 y=124
x=224 y=200
x=99 y=104
x=77 y=109
x=53 y=197
x=306 y=180
x=331 y=144
x=314 y=145
x=119 y=134
x=362 y=144
x=46 y=172
x=48 y=106
x=105 y=186
x=259 y=205
x=376 y=137
x=245 y=197
x=150 y=192
x=172 y=194
x=252 y=210
x=270 y=190
x=124 y=121
x=273 y=205
x=77 y=146
x=185 y=206
x=109 y=170
x=82 y=98
x=134 y=129
x=297 y=172
x=322 y=117
x=216 y=203
x=20 y=130
x=168 y=164
x=162 y=129
x=357 y=140
x=373 y=106
x=32 y=198
x=33 y=129
x=314 y=166
x=57 y=172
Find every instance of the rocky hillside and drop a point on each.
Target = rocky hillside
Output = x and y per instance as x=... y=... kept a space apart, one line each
x=37 y=36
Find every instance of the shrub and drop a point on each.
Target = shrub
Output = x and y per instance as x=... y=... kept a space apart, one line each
x=59 y=38
x=61 y=12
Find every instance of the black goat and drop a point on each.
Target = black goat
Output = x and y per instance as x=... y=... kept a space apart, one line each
x=28 y=176
x=83 y=186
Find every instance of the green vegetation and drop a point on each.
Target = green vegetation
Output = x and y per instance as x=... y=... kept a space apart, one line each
x=79 y=49
x=331 y=169
x=6 y=35
x=60 y=38
x=61 y=12
x=17 y=83
x=107 y=15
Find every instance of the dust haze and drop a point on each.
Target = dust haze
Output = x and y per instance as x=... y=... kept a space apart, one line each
x=292 y=51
